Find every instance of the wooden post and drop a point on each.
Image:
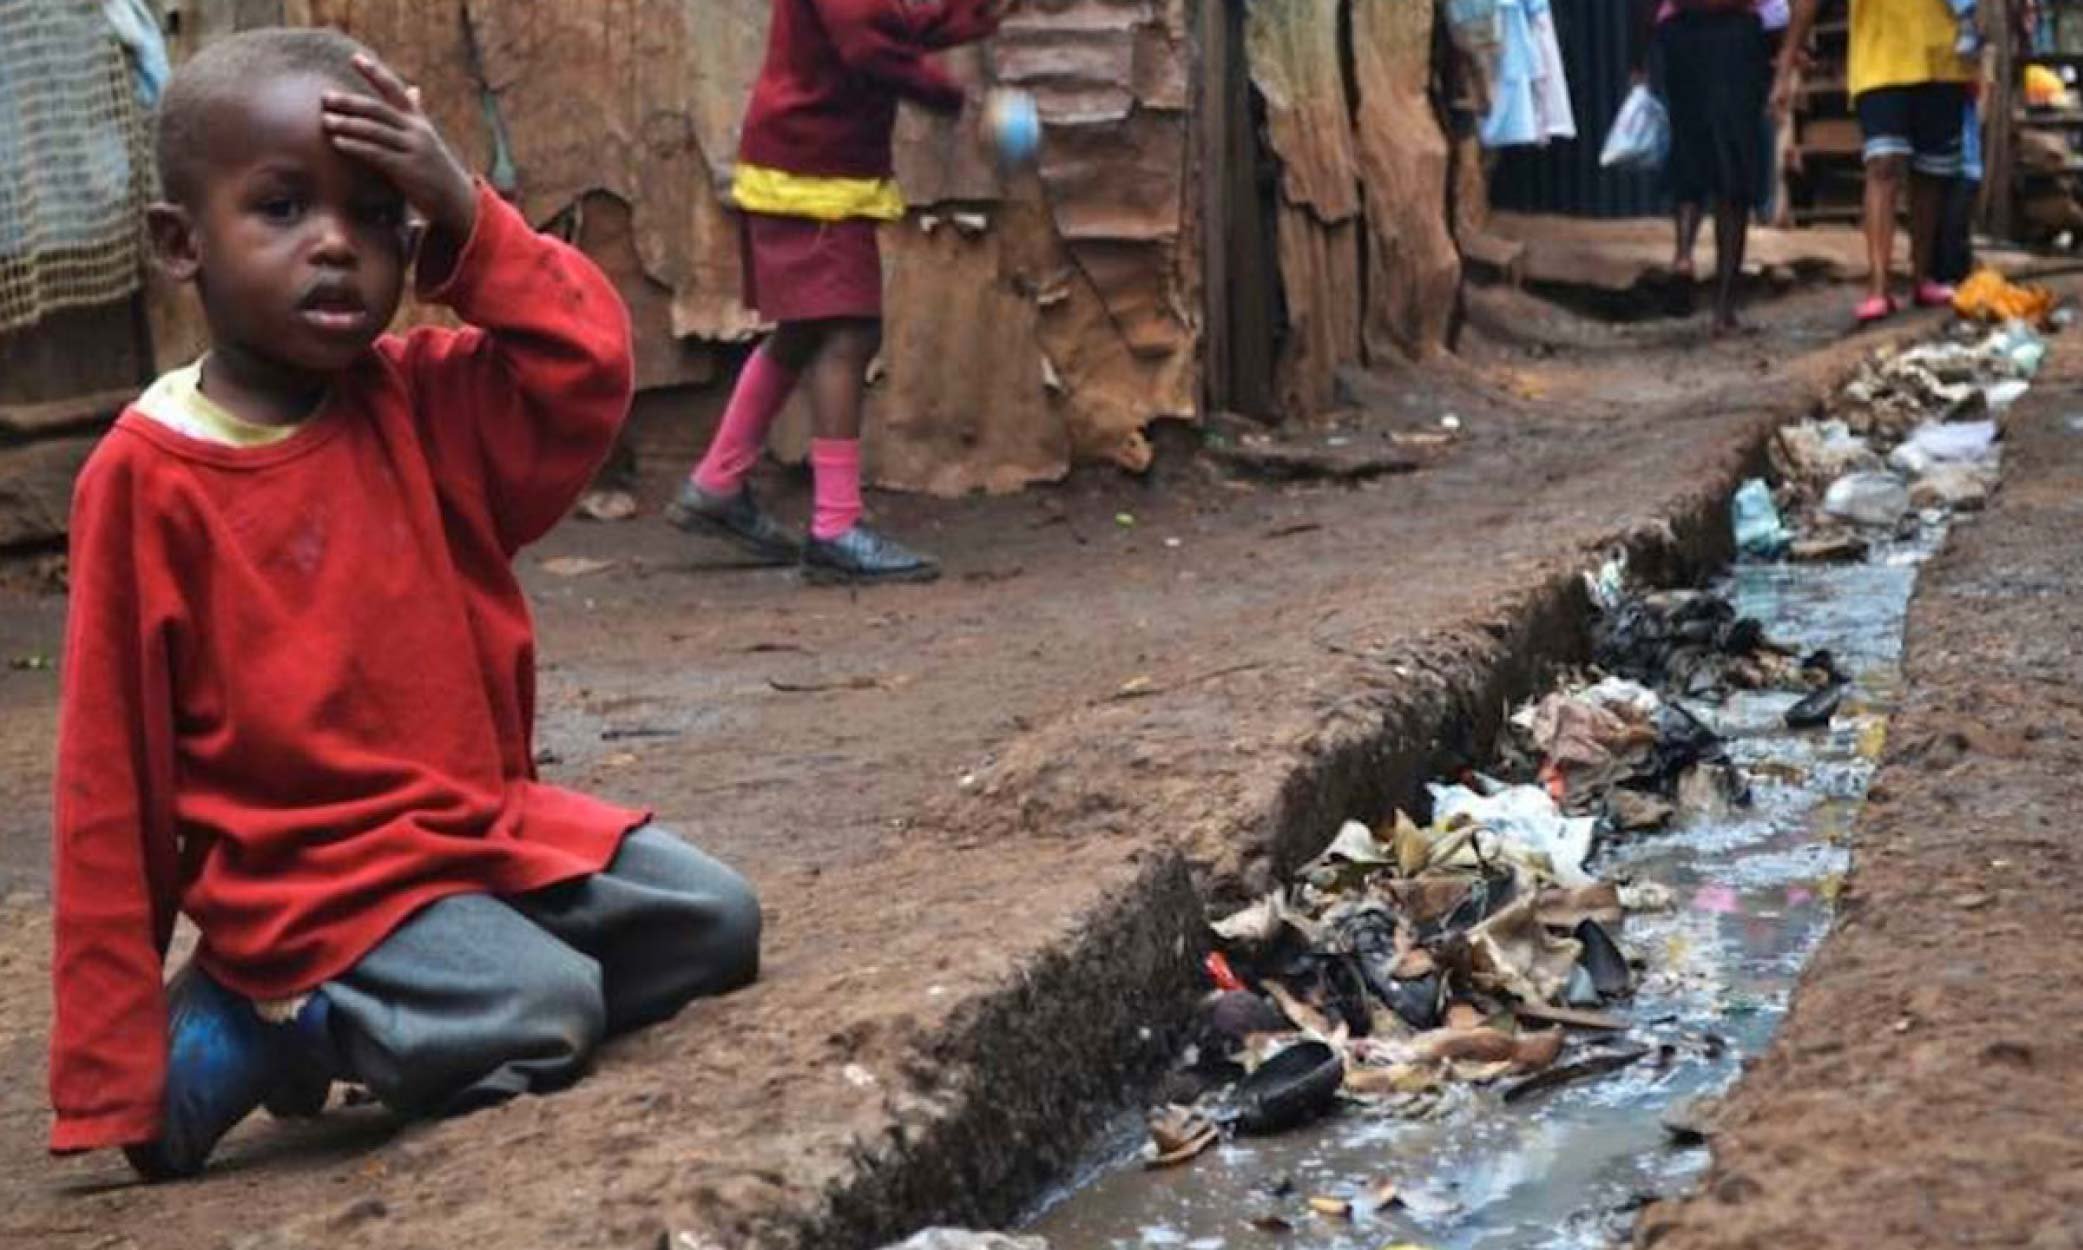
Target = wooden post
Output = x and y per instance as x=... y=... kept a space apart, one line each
x=1999 y=108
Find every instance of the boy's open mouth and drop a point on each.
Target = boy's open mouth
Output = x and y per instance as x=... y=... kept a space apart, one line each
x=336 y=308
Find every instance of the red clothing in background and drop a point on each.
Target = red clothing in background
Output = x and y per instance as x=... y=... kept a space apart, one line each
x=299 y=679
x=826 y=99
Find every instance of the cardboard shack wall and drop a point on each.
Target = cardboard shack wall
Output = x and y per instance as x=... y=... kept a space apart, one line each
x=1034 y=322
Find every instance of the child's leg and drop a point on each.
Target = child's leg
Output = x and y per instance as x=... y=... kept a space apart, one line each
x=666 y=922
x=764 y=385
x=468 y=1003
x=840 y=547
x=838 y=380
x=715 y=499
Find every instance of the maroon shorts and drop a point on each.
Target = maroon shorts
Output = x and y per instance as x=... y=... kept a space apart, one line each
x=797 y=269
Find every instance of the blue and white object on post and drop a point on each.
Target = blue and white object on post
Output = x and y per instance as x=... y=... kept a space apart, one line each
x=1014 y=125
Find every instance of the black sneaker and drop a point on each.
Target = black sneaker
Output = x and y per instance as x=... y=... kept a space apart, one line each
x=738 y=519
x=862 y=555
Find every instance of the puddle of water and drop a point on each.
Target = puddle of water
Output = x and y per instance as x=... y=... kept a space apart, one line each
x=1569 y=1168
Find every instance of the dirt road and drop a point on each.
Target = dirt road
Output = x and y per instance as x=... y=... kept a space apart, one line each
x=941 y=791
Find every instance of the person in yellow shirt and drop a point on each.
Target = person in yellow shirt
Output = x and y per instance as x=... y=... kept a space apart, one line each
x=1909 y=84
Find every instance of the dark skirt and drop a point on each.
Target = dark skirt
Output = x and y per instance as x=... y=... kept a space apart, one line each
x=797 y=269
x=1717 y=75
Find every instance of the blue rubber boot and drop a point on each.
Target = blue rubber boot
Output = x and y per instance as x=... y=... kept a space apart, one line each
x=221 y=1062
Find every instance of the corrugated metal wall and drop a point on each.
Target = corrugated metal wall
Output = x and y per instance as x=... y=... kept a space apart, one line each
x=1565 y=177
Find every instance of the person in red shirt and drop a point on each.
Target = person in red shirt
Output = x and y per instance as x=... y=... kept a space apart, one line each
x=814 y=180
x=298 y=693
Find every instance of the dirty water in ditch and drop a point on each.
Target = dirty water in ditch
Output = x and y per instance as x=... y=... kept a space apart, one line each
x=1571 y=1166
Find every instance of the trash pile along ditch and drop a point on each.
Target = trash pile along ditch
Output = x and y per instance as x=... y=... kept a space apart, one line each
x=1411 y=968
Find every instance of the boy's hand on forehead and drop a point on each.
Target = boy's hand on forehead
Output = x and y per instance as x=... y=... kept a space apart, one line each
x=389 y=132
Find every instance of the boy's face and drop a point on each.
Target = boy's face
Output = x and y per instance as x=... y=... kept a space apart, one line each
x=299 y=252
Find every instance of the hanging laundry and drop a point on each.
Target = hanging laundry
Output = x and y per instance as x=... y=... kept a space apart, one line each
x=136 y=26
x=1551 y=84
x=1530 y=91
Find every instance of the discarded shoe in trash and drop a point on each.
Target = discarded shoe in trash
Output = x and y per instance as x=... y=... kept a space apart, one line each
x=1816 y=710
x=1602 y=959
x=1294 y=1087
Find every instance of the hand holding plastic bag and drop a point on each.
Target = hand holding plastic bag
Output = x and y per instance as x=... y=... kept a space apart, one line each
x=1641 y=133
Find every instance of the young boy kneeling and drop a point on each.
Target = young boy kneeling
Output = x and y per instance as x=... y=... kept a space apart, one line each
x=299 y=672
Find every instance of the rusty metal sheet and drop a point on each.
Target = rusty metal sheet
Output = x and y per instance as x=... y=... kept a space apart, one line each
x=939 y=159
x=1077 y=303
x=616 y=98
x=1076 y=76
x=1117 y=181
x=1319 y=264
x=1292 y=48
x=1413 y=266
x=1159 y=67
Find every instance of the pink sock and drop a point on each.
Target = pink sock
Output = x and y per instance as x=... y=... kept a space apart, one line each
x=835 y=466
x=762 y=389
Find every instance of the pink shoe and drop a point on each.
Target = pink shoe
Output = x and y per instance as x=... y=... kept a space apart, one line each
x=1875 y=309
x=1934 y=295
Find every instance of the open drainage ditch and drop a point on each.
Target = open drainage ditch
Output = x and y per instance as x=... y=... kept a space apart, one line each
x=1490 y=1158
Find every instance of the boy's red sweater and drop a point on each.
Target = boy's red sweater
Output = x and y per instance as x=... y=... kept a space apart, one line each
x=299 y=679
x=826 y=100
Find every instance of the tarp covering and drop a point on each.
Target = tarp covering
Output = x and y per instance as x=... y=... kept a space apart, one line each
x=1034 y=322
x=1030 y=324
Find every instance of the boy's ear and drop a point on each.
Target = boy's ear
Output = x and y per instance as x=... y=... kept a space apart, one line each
x=173 y=240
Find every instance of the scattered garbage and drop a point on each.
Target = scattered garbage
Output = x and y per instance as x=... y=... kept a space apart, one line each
x=1989 y=296
x=1812 y=454
x=963 y=1239
x=1759 y=531
x=1481 y=946
x=1953 y=488
x=1294 y=1087
x=1914 y=436
x=1816 y=710
x=1842 y=548
x=576 y=566
x=1693 y=644
x=607 y=505
x=1956 y=442
x=1482 y=955
x=1878 y=500
x=1951 y=379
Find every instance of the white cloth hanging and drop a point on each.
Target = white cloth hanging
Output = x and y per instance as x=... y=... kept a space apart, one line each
x=1530 y=102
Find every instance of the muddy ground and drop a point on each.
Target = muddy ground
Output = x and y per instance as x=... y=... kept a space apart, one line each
x=1928 y=1088
x=947 y=794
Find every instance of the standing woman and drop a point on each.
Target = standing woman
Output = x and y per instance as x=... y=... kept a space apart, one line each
x=1717 y=74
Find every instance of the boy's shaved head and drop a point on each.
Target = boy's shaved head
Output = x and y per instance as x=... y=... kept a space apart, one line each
x=198 y=109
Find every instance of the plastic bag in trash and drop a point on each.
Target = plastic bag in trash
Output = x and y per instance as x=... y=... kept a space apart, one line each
x=964 y=1239
x=1528 y=822
x=1759 y=532
x=1989 y=296
x=1952 y=442
x=1641 y=133
x=1877 y=499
